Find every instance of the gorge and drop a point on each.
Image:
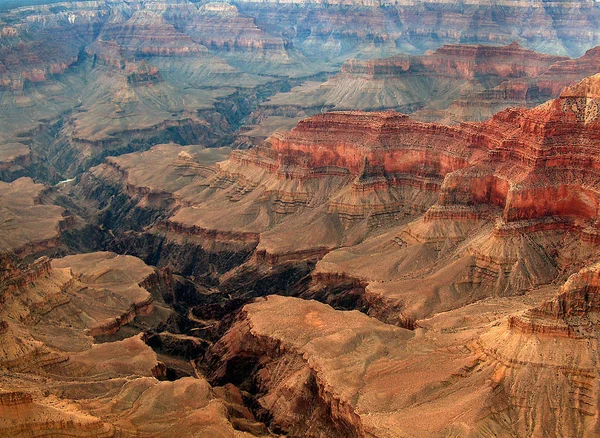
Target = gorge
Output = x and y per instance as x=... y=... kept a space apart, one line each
x=304 y=219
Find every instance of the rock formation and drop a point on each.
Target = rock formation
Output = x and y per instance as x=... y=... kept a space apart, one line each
x=28 y=225
x=50 y=321
x=148 y=33
x=220 y=26
x=344 y=173
x=74 y=91
x=457 y=82
x=355 y=274
x=457 y=233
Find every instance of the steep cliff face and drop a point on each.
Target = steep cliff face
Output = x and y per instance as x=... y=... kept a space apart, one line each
x=403 y=219
x=475 y=190
x=455 y=83
x=521 y=213
x=554 y=345
x=450 y=240
x=220 y=26
x=147 y=32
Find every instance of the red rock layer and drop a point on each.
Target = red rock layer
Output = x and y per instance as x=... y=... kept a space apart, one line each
x=459 y=60
x=541 y=162
x=533 y=164
x=468 y=61
x=387 y=139
x=572 y=313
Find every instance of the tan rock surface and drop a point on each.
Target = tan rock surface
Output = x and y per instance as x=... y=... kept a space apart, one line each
x=56 y=380
x=27 y=225
x=381 y=381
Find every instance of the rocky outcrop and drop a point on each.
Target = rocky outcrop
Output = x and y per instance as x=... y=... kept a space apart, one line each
x=266 y=362
x=455 y=83
x=148 y=33
x=553 y=345
x=220 y=26
x=571 y=313
x=29 y=226
x=15 y=161
x=91 y=389
x=458 y=61
x=317 y=371
x=40 y=44
x=462 y=205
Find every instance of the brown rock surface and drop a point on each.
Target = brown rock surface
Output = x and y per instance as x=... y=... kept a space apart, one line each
x=61 y=68
x=220 y=26
x=451 y=240
x=148 y=33
x=27 y=225
x=455 y=83
x=339 y=176
x=324 y=372
x=496 y=214
x=57 y=381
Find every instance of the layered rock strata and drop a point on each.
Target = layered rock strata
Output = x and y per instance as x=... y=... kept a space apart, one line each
x=58 y=381
x=318 y=372
x=462 y=204
x=457 y=82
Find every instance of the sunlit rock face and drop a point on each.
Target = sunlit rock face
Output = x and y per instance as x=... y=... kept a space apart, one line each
x=51 y=315
x=493 y=200
x=532 y=345
x=453 y=84
x=193 y=244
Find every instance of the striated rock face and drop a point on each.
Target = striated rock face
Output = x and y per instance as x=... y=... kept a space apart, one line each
x=572 y=313
x=458 y=60
x=221 y=26
x=457 y=82
x=50 y=320
x=321 y=372
x=148 y=33
x=475 y=210
x=447 y=242
x=363 y=142
x=554 y=345
x=520 y=213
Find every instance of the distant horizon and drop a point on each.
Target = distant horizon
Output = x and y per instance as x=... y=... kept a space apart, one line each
x=12 y=4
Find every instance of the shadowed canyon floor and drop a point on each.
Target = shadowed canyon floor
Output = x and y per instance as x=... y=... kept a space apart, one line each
x=214 y=222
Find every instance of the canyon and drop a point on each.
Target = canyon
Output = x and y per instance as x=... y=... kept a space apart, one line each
x=303 y=219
